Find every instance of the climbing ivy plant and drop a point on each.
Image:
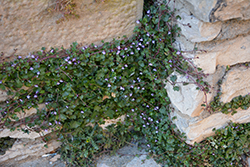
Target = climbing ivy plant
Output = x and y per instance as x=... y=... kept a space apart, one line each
x=83 y=86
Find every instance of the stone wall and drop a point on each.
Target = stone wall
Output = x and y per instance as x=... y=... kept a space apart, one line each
x=27 y=26
x=220 y=30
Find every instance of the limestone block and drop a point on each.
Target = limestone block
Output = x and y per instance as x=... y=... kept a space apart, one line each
x=223 y=52
x=218 y=10
x=198 y=31
x=198 y=129
x=187 y=100
x=29 y=112
x=20 y=134
x=28 y=26
x=235 y=83
x=233 y=28
x=24 y=148
x=142 y=162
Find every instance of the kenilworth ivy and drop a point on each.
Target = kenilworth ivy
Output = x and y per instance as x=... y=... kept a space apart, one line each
x=84 y=85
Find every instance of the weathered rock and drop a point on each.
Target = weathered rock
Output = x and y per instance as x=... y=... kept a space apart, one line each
x=112 y=121
x=3 y=95
x=24 y=148
x=188 y=99
x=28 y=26
x=225 y=52
x=198 y=129
x=218 y=10
x=197 y=31
x=20 y=134
x=235 y=83
x=142 y=162
x=233 y=28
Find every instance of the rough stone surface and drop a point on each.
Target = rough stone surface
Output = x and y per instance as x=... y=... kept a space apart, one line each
x=20 y=134
x=187 y=100
x=198 y=31
x=28 y=26
x=3 y=95
x=218 y=10
x=235 y=83
x=233 y=28
x=126 y=157
x=224 y=52
x=142 y=162
x=24 y=148
x=198 y=129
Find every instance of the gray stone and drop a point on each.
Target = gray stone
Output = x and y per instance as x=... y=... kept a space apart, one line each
x=218 y=10
x=142 y=162
x=198 y=31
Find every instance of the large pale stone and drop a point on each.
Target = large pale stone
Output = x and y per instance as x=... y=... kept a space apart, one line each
x=24 y=148
x=188 y=99
x=218 y=10
x=235 y=83
x=142 y=162
x=224 y=52
x=199 y=129
x=233 y=28
x=20 y=134
x=27 y=26
x=198 y=31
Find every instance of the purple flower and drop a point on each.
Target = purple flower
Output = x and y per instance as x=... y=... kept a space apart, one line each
x=148 y=34
x=38 y=73
x=19 y=57
x=141 y=40
x=148 y=11
x=118 y=52
x=118 y=47
x=138 y=22
x=31 y=68
x=153 y=41
x=125 y=48
x=142 y=88
x=28 y=96
x=82 y=112
x=156 y=131
x=131 y=53
x=109 y=85
x=50 y=123
x=126 y=65
x=132 y=110
x=106 y=79
x=148 y=145
x=67 y=107
x=144 y=126
x=103 y=52
x=178 y=52
x=150 y=64
x=35 y=96
x=169 y=32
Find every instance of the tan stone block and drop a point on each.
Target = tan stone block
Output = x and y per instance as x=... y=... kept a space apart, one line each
x=24 y=148
x=28 y=26
x=235 y=83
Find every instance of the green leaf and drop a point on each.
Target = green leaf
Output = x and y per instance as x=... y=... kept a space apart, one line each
x=74 y=124
x=173 y=78
x=176 y=88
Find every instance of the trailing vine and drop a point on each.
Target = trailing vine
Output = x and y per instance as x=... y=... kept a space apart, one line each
x=84 y=85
